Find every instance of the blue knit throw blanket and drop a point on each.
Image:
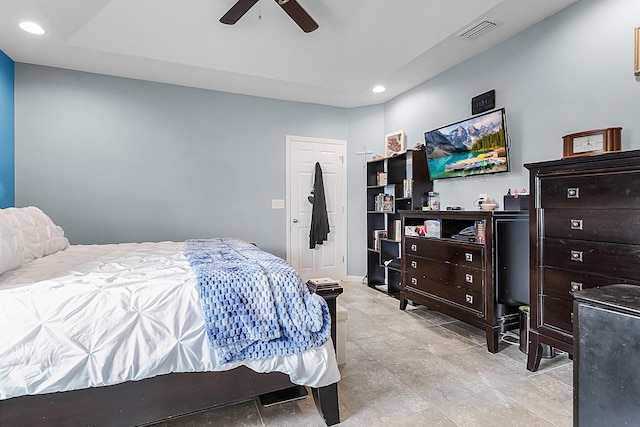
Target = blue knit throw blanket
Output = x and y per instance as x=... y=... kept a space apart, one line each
x=255 y=304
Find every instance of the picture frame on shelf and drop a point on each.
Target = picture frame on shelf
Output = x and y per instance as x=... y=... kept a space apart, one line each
x=394 y=143
x=387 y=203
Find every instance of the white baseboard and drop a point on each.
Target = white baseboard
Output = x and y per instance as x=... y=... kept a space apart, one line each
x=357 y=279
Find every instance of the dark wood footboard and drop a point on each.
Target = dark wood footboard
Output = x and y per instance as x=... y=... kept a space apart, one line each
x=159 y=398
x=154 y=399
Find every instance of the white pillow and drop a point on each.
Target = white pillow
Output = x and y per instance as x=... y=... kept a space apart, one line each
x=39 y=235
x=10 y=244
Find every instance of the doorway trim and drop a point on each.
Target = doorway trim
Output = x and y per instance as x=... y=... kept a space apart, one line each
x=288 y=219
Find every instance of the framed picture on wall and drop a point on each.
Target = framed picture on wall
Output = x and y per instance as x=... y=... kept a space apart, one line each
x=394 y=143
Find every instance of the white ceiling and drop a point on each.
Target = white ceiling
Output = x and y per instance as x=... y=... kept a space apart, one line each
x=360 y=43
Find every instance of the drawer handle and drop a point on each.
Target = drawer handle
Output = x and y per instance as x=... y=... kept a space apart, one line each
x=468 y=278
x=414 y=281
x=573 y=193
x=414 y=264
x=468 y=298
x=576 y=224
x=576 y=256
x=414 y=247
x=468 y=257
x=576 y=286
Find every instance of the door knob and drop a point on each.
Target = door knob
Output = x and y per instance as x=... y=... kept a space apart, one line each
x=295 y=220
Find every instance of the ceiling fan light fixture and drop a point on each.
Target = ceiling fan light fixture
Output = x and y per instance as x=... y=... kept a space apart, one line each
x=31 y=27
x=378 y=89
x=291 y=7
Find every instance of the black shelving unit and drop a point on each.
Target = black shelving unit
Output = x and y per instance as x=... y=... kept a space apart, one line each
x=384 y=253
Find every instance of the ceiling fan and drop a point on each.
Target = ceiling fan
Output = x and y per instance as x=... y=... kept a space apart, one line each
x=292 y=7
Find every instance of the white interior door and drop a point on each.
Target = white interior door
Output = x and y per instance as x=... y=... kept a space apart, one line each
x=328 y=259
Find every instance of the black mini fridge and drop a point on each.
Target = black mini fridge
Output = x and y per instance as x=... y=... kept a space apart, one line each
x=606 y=364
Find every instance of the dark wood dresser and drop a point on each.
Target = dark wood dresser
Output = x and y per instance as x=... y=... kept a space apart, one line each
x=584 y=232
x=480 y=281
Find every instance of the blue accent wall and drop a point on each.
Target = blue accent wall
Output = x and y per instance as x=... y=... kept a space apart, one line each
x=7 y=194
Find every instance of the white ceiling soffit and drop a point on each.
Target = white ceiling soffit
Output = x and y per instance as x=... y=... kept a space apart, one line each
x=360 y=43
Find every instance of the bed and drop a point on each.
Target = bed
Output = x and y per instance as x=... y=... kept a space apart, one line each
x=135 y=333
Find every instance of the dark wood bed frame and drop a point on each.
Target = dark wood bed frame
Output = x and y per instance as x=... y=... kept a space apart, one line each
x=163 y=397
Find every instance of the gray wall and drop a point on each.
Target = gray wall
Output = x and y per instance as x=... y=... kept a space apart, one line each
x=366 y=129
x=121 y=160
x=569 y=73
x=124 y=160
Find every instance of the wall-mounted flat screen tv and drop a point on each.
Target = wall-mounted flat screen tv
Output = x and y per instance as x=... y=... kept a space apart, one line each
x=471 y=147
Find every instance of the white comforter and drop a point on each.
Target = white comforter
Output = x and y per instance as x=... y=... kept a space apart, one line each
x=100 y=315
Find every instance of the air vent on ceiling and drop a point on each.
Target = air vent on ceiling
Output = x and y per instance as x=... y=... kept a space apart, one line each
x=478 y=29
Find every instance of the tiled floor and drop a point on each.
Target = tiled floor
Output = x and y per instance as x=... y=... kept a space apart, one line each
x=419 y=368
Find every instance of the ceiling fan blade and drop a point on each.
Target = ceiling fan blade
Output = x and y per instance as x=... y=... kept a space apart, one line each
x=299 y=15
x=237 y=11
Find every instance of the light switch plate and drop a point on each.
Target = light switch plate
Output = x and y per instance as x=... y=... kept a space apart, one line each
x=277 y=204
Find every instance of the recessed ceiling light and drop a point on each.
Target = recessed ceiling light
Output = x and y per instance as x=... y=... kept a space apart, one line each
x=32 y=27
x=378 y=89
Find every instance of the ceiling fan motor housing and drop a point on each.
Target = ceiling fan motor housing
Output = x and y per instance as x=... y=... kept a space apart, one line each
x=292 y=8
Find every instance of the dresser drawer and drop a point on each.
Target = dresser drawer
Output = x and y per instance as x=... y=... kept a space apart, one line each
x=611 y=190
x=560 y=283
x=556 y=313
x=440 y=250
x=444 y=273
x=600 y=225
x=458 y=295
x=607 y=259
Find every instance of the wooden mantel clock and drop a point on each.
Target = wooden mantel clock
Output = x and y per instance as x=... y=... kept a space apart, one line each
x=592 y=142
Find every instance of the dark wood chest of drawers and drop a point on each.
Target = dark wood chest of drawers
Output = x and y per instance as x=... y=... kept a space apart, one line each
x=480 y=282
x=584 y=233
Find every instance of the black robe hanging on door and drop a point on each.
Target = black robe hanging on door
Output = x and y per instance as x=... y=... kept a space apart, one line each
x=319 y=218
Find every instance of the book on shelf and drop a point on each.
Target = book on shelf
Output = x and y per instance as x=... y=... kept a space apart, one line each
x=382 y=178
x=377 y=236
x=397 y=230
x=407 y=188
x=480 y=228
